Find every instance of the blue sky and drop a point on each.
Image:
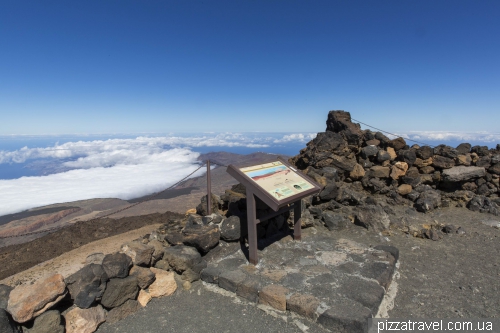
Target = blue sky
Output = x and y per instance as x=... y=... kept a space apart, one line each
x=162 y=66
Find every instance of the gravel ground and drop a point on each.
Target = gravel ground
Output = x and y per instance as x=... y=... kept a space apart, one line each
x=456 y=276
x=203 y=310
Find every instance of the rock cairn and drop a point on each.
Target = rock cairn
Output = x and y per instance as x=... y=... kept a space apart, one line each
x=354 y=164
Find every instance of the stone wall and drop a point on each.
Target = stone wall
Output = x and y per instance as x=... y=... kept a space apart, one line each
x=109 y=288
x=352 y=164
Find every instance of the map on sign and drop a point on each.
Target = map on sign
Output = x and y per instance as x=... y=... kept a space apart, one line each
x=277 y=179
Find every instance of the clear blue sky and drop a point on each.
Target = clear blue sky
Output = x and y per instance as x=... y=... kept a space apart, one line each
x=161 y=66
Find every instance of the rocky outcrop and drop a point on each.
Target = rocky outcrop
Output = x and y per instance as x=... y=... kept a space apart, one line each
x=368 y=162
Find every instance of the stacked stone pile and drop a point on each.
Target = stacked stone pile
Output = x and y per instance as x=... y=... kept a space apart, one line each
x=108 y=288
x=352 y=164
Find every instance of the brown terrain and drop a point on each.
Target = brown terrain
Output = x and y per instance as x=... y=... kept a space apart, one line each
x=77 y=223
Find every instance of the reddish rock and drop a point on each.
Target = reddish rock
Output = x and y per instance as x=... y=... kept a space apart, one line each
x=84 y=320
x=399 y=169
x=274 y=296
x=304 y=305
x=164 y=284
x=29 y=301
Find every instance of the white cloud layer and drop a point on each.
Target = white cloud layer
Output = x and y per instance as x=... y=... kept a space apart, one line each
x=125 y=180
x=453 y=136
x=296 y=137
x=127 y=151
x=117 y=168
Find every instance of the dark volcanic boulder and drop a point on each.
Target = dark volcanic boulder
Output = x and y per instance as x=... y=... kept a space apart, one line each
x=202 y=210
x=427 y=201
x=334 y=221
x=480 y=150
x=382 y=156
x=408 y=155
x=230 y=229
x=369 y=151
x=48 y=322
x=384 y=141
x=425 y=152
x=116 y=265
x=182 y=257
x=7 y=325
x=340 y=121
x=495 y=169
x=329 y=142
x=484 y=205
x=87 y=285
x=397 y=144
x=329 y=192
x=118 y=291
x=203 y=237
x=372 y=217
x=341 y=162
x=4 y=295
x=463 y=148
x=143 y=275
x=446 y=151
x=442 y=162
x=484 y=161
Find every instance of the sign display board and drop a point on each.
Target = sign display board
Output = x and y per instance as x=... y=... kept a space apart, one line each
x=277 y=179
x=277 y=183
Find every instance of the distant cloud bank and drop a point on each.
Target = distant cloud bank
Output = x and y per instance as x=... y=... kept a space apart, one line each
x=117 y=168
x=130 y=168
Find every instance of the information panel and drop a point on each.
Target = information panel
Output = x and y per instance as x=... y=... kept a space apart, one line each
x=277 y=179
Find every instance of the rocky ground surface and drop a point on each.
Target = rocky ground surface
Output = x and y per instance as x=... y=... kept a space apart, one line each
x=453 y=276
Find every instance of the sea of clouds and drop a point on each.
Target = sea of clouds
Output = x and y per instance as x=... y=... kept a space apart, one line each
x=124 y=168
x=128 y=168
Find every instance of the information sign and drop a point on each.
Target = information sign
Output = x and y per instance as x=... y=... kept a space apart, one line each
x=277 y=179
x=280 y=186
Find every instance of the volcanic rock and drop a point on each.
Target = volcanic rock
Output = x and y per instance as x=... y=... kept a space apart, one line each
x=87 y=285
x=372 y=217
x=48 y=322
x=118 y=291
x=140 y=253
x=164 y=284
x=84 y=320
x=29 y=301
x=462 y=173
x=340 y=121
x=116 y=265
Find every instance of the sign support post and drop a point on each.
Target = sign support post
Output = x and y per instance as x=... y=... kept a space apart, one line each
x=281 y=187
x=252 y=228
x=209 y=190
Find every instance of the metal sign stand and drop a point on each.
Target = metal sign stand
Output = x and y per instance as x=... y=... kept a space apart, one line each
x=279 y=206
x=252 y=219
x=209 y=190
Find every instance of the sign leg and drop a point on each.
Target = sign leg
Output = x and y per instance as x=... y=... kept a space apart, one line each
x=297 y=213
x=252 y=228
